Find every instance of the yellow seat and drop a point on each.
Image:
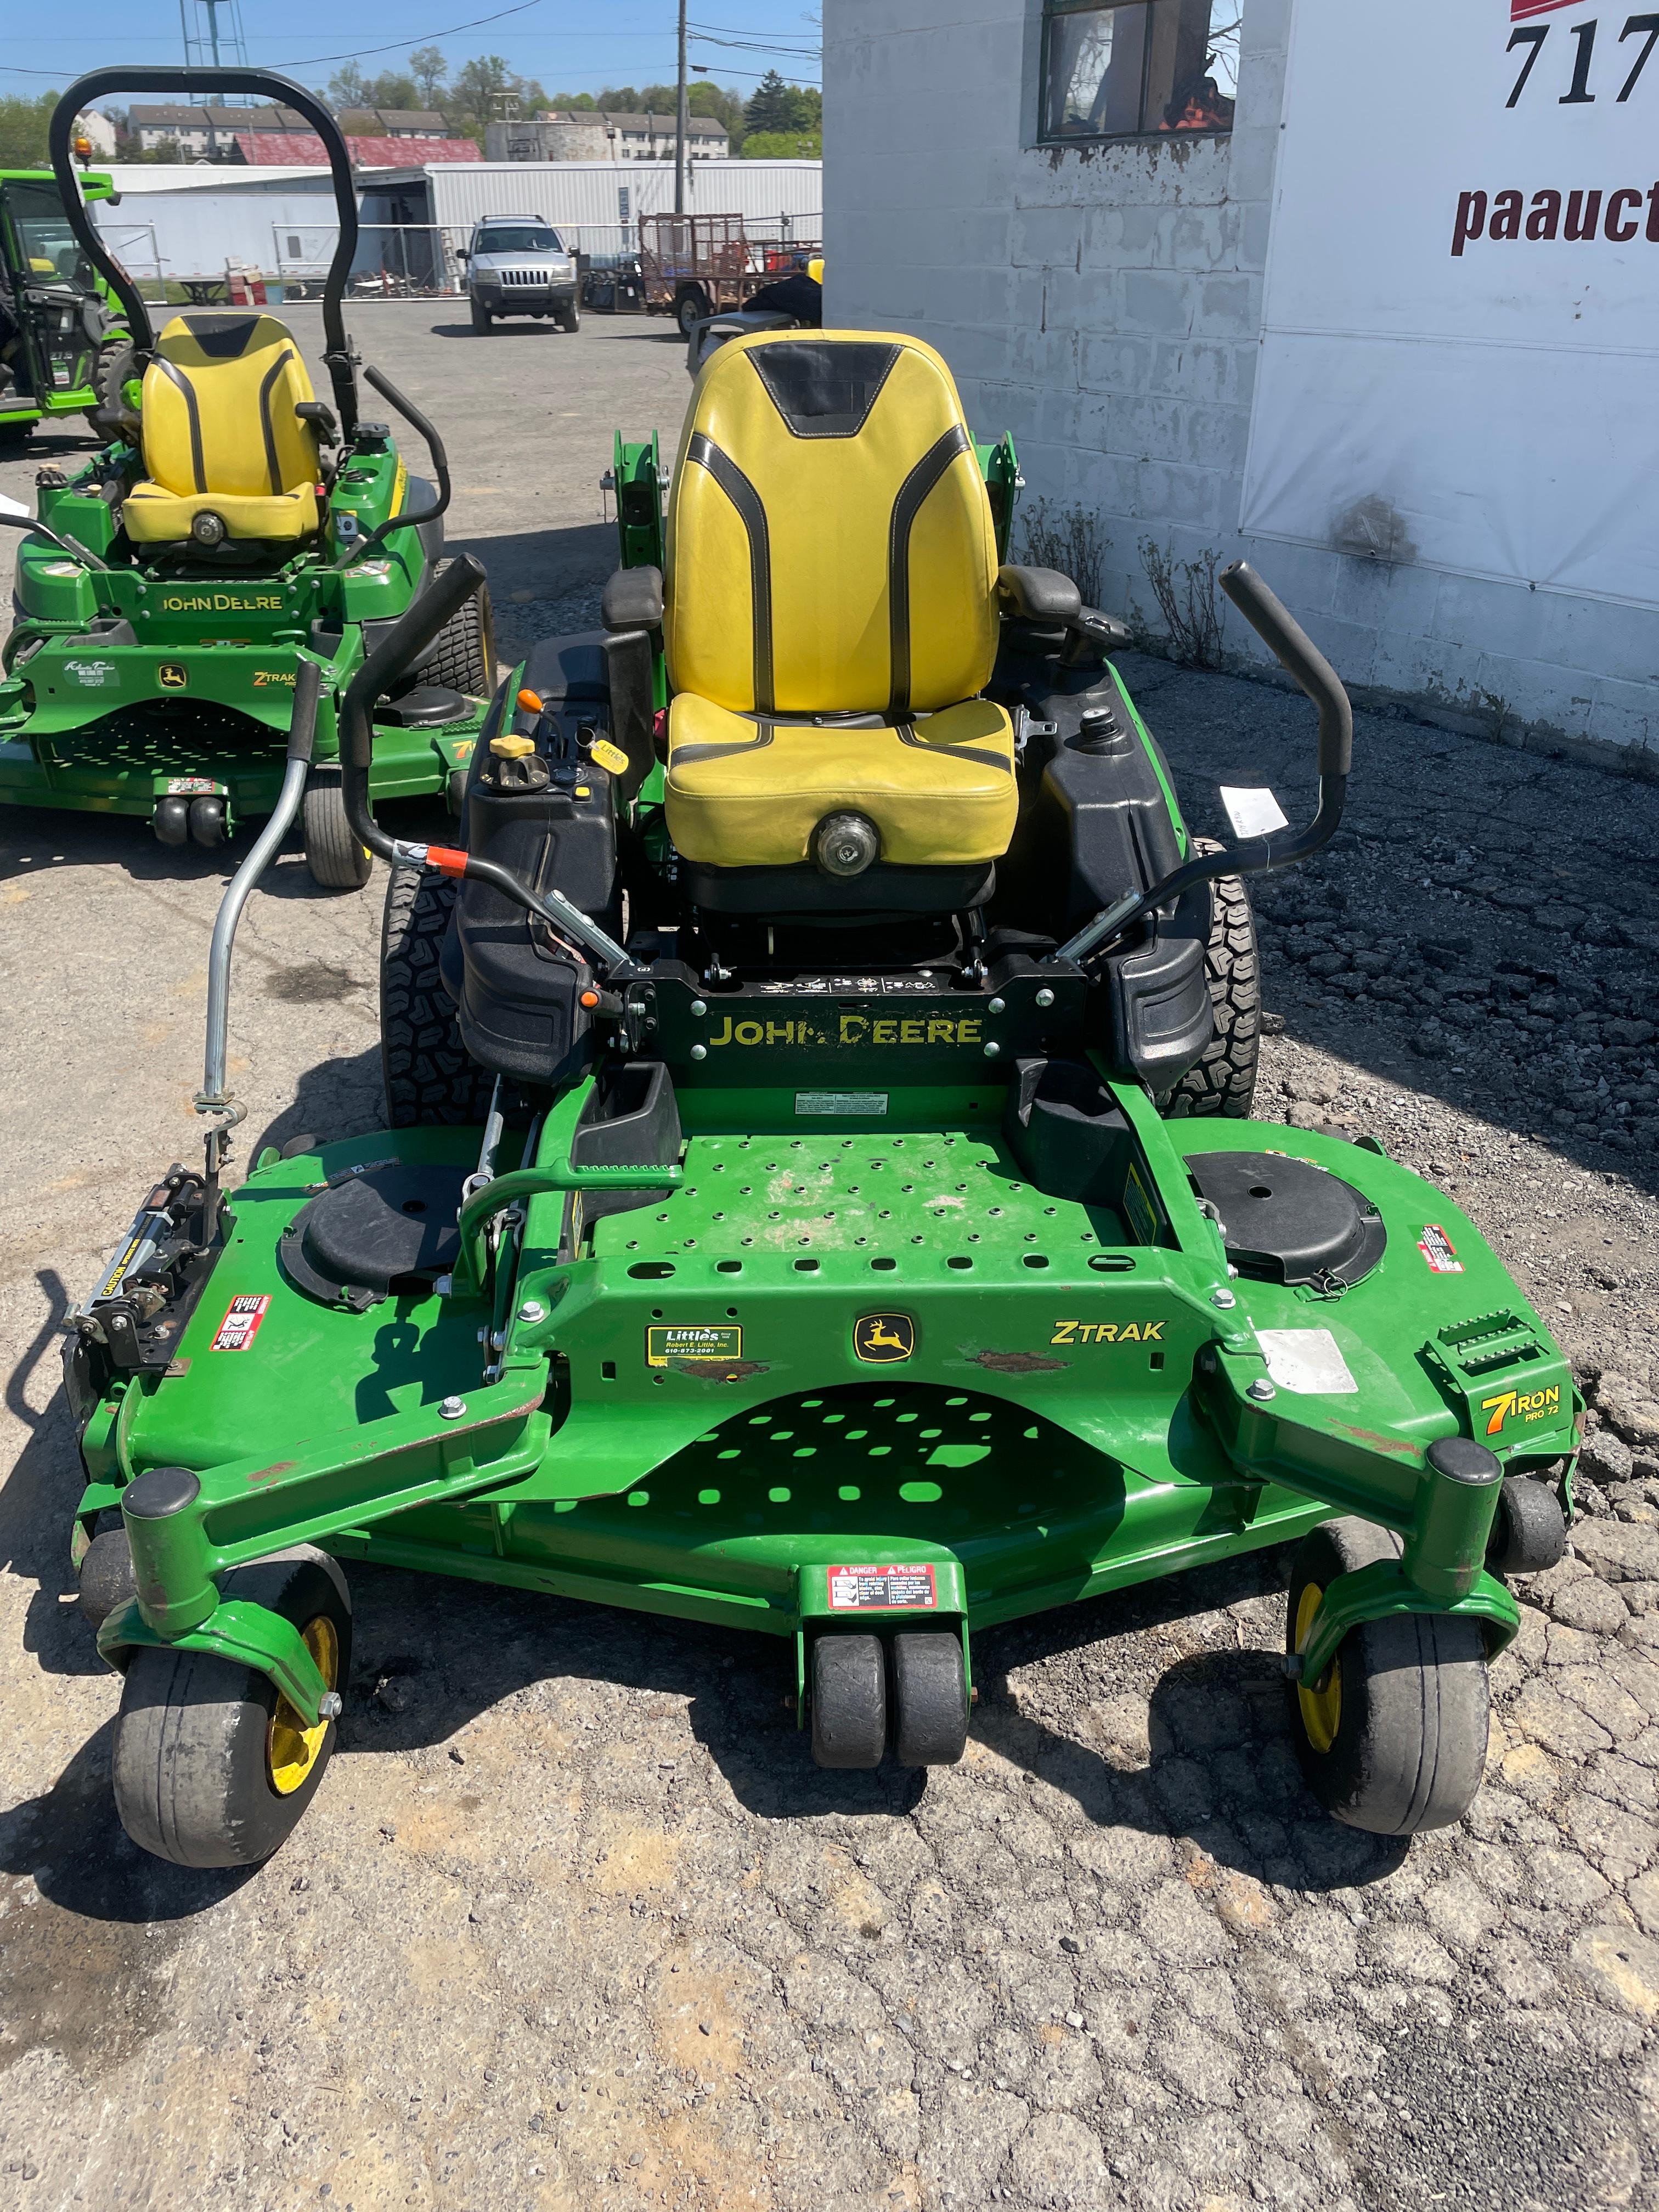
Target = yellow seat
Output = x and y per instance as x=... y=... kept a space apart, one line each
x=831 y=553
x=220 y=433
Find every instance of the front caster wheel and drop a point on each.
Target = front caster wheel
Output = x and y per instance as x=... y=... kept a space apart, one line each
x=211 y=1766
x=1393 y=1739
x=849 y=1701
x=338 y=860
x=930 y=1695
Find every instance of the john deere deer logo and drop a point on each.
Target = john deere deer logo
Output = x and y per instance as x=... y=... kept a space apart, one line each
x=881 y=1337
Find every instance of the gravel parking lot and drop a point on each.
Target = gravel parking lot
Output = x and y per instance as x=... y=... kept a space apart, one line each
x=574 y=1921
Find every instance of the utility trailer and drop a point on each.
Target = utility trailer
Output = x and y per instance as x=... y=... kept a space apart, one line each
x=698 y=265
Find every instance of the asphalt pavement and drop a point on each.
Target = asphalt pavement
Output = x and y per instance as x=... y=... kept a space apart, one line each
x=574 y=1922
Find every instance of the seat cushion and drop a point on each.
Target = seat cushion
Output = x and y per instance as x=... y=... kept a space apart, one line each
x=154 y=515
x=746 y=792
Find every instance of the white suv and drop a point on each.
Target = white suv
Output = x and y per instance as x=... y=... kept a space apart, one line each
x=517 y=264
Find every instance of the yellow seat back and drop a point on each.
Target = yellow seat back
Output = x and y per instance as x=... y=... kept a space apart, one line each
x=217 y=411
x=830 y=545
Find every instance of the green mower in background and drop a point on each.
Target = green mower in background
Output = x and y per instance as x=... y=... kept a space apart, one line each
x=237 y=530
x=62 y=347
x=818 y=1196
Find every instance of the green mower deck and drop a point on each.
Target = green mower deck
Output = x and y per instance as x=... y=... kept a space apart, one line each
x=866 y=1349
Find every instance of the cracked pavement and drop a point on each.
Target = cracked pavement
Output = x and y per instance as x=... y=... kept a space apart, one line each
x=574 y=1922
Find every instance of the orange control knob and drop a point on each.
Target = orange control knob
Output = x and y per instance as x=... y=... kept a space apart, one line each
x=531 y=701
x=590 y=1000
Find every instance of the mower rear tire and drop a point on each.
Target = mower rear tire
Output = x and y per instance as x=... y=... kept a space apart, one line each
x=211 y=1766
x=464 y=658
x=338 y=861
x=481 y=318
x=1394 y=1738
x=849 y=1701
x=1223 y=1082
x=930 y=1699
x=431 y=1079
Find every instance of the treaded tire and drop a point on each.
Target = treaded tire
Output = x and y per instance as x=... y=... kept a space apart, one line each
x=463 y=657
x=430 y=1077
x=1223 y=1082
x=930 y=1699
x=849 y=1701
x=569 y=318
x=693 y=306
x=1409 y=1747
x=190 y=1764
x=110 y=372
x=336 y=860
x=481 y=318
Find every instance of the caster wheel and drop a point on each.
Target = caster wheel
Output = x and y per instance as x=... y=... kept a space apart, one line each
x=107 y=1577
x=1394 y=1738
x=849 y=1701
x=930 y=1699
x=1528 y=1529
x=207 y=822
x=211 y=1766
x=170 y=821
x=335 y=858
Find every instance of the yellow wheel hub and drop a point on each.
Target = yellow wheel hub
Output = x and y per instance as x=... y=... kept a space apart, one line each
x=1322 y=1709
x=292 y=1748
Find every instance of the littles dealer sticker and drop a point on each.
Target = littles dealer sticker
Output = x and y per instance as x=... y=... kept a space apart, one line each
x=871 y=1589
x=241 y=1322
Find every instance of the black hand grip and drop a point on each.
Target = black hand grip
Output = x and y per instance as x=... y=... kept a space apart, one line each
x=1300 y=658
x=401 y=647
x=410 y=413
x=302 y=725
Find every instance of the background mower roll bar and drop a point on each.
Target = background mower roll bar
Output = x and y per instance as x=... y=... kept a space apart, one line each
x=86 y=89
x=399 y=649
x=1297 y=655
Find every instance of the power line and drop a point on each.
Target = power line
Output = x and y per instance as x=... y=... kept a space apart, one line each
x=360 y=53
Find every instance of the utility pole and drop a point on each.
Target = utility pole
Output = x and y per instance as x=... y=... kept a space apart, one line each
x=681 y=131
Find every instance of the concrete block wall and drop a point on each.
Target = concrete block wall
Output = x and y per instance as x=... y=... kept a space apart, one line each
x=1105 y=306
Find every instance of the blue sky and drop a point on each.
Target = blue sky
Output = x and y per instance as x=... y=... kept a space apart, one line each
x=571 y=45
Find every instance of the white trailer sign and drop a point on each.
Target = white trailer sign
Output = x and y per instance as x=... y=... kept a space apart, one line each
x=1461 y=319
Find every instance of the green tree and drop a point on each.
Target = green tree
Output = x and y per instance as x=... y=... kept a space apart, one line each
x=783 y=146
x=485 y=91
x=348 y=88
x=566 y=103
x=393 y=88
x=775 y=106
x=428 y=68
x=23 y=129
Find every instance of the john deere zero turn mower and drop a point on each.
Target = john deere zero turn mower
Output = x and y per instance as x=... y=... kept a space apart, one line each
x=61 y=345
x=818 y=1198
x=238 y=530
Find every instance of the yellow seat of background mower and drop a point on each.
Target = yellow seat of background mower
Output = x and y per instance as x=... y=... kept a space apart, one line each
x=220 y=432
x=831 y=553
x=744 y=794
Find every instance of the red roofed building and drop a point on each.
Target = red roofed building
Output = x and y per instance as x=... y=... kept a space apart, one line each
x=303 y=150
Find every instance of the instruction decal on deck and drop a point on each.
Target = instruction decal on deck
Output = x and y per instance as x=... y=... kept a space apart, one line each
x=869 y=1590
x=861 y=1103
x=688 y=1340
x=1138 y=1207
x=241 y=1322
x=1439 y=1249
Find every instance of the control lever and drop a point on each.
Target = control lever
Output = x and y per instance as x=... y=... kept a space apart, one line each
x=1296 y=653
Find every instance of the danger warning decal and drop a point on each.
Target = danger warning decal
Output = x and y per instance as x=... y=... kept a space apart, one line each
x=1439 y=1249
x=241 y=1322
x=868 y=1589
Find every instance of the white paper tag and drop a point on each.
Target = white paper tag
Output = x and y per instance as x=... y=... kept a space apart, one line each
x=840 y=1102
x=1307 y=1361
x=1253 y=810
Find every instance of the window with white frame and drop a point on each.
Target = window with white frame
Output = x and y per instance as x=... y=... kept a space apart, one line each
x=1139 y=69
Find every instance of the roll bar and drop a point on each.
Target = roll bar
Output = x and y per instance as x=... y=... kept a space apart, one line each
x=134 y=78
x=1296 y=653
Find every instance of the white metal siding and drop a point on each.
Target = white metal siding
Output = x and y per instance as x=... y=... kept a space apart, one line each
x=463 y=193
